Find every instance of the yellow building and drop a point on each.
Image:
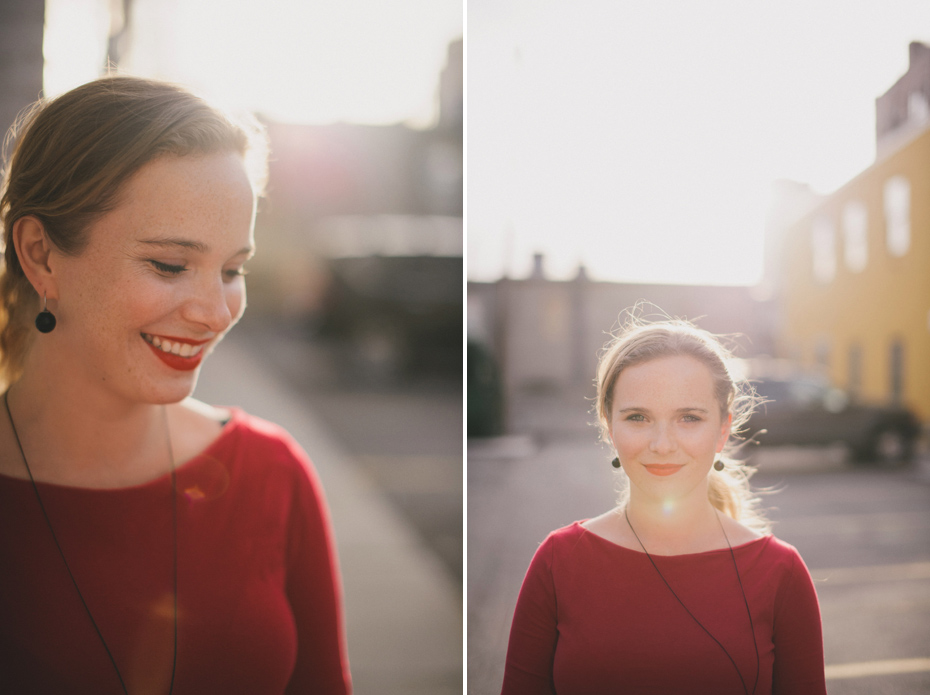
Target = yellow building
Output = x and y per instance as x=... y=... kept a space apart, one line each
x=856 y=267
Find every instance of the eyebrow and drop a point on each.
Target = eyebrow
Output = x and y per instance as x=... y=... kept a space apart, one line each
x=196 y=246
x=635 y=409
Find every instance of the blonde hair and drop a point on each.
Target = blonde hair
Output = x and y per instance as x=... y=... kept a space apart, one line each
x=74 y=154
x=640 y=341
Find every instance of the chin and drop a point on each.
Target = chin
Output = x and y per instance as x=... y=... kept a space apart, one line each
x=169 y=393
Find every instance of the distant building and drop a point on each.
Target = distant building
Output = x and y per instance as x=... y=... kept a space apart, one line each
x=904 y=109
x=546 y=335
x=856 y=266
x=349 y=189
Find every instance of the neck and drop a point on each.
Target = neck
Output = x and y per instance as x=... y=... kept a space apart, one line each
x=671 y=527
x=86 y=437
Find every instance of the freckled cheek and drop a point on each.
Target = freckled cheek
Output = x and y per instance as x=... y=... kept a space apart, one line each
x=628 y=441
x=236 y=299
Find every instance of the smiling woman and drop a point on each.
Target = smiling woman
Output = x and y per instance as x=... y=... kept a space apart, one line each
x=148 y=542
x=680 y=588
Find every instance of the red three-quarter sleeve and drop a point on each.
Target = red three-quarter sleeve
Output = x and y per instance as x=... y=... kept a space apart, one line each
x=534 y=633
x=314 y=592
x=798 y=636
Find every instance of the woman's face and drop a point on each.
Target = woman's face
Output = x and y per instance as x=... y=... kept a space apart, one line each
x=160 y=280
x=667 y=427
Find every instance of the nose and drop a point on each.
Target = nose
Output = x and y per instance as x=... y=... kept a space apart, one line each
x=209 y=306
x=663 y=440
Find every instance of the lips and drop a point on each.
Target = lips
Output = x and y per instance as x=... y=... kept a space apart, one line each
x=663 y=468
x=182 y=354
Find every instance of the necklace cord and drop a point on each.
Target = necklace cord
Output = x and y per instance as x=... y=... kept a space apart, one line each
x=733 y=556
x=174 y=509
x=174 y=525
x=752 y=627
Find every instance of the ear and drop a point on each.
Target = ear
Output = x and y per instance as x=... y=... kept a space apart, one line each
x=34 y=249
x=725 y=432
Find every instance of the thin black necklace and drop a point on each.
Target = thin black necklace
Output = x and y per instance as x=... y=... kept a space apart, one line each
x=745 y=601
x=174 y=524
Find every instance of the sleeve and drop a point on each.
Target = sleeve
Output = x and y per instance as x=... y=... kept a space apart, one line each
x=534 y=633
x=798 y=636
x=315 y=593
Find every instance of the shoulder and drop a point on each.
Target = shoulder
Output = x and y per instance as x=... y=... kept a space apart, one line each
x=784 y=566
x=233 y=435
x=565 y=536
x=782 y=553
x=549 y=557
x=559 y=543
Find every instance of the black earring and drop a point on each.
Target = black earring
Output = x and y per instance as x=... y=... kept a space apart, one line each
x=718 y=465
x=616 y=462
x=45 y=321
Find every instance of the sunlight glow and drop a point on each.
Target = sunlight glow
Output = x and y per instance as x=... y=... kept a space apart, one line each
x=361 y=61
x=75 y=43
x=642 y=139
x=358 y=61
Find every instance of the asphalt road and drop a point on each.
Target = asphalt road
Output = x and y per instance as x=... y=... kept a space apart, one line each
x=405 y=435
x=864 y=533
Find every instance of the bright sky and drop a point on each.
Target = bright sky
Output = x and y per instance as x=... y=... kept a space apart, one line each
x=641 y=138
x=362 y=61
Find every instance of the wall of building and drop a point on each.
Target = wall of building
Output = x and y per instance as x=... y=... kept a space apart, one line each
x=547 y=335
x=872 y=308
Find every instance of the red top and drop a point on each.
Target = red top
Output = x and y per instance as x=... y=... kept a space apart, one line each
x=595 y=617
x=259 y=599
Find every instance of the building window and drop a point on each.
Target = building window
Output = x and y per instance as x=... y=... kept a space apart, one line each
x=898 y=215
x=854 y=377
x=897 y=371
x=823 y=248
x=917 y=107
x=855 y=236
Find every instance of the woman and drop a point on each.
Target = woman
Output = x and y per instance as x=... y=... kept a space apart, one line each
x=680 y=589
x=149 y=543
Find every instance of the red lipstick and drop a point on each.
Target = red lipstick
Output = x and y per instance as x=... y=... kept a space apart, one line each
x=183 y=364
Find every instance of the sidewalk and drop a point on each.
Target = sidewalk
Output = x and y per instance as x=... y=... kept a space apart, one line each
x=403 y=613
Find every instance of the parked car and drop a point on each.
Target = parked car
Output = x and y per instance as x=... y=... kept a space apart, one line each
x=393 y=304
x=396 y=315
x=807 y=411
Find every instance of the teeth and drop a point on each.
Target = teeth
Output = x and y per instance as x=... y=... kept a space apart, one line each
x=175 y=348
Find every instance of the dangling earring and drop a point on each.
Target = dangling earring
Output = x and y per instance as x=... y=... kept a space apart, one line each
x=616 y=462
x=45 y=321
x=718 y=465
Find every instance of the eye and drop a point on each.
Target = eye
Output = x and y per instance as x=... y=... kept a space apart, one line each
x=234 y=273
x=691 y=418
x=167 y=268
x=635 y=417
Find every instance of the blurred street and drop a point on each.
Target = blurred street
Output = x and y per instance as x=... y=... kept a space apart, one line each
x=405 y=434
x=863 y=532
x=389 y=458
